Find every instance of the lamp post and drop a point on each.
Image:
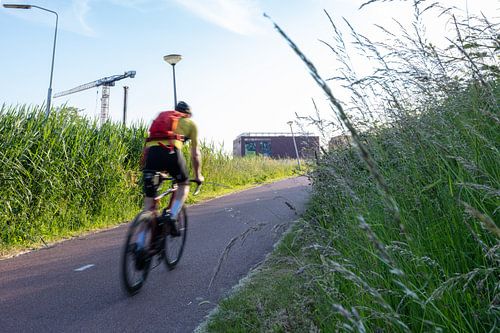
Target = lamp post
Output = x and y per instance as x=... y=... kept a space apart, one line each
x=173 y=59
x=18 y=6
x=294 y=143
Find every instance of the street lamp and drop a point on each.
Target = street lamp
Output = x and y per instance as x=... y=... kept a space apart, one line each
x=173 y=59
x=294 y=143
x=20 y=6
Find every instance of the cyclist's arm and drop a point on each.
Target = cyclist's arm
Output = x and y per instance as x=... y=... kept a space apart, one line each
x=196 y=154
x=196 y=157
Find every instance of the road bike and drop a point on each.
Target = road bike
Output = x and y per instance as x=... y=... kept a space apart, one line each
x=149 y=239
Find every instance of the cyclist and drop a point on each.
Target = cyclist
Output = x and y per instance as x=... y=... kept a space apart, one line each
x=164 y=153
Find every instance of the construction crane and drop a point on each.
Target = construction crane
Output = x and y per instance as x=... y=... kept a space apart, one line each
x=105 y=82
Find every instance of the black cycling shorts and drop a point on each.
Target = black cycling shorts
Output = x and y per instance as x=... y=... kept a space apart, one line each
x=158 y=158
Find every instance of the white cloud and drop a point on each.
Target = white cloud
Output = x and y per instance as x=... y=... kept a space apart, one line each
x=239 y=16
x=139 y=5
x=80 y=9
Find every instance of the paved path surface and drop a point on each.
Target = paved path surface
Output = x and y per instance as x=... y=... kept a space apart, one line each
x=75 y=286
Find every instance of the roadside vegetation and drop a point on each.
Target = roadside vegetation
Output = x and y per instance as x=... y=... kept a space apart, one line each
x=401 y=234
x=66 y=174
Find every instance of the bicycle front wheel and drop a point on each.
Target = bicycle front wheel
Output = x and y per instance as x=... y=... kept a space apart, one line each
x=136 y=259
x=174 y=246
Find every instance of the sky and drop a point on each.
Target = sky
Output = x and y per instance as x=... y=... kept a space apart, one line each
x=237 y=73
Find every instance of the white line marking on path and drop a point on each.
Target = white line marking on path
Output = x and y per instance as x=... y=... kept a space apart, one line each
x=84 y=268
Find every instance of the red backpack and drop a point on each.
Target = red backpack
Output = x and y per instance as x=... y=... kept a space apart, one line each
x=164 y=126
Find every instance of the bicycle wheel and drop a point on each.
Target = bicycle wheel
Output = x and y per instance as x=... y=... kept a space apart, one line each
x=174 y=246
x=135 y=259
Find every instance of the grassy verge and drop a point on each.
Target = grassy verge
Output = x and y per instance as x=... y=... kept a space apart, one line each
x=66 y=175
x=274 y=297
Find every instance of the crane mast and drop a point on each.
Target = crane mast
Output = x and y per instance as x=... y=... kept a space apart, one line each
x=105 y=82
x=104 y=104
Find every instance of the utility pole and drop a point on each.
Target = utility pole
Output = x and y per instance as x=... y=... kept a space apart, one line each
x=294 y=143
x=125 y=97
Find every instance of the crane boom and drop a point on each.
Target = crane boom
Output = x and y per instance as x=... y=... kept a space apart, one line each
x=106 y=81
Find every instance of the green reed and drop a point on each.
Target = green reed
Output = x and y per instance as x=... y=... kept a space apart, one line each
x=62 y=174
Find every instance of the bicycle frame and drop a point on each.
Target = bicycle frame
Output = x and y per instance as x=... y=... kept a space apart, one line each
x=158 y=179
x=171 y=190
x=154 y=209
x=158 y=198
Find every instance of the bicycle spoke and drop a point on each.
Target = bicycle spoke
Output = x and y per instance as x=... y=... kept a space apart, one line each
x=136 y=262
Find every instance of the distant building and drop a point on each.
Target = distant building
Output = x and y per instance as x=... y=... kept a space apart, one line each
x=276 y=145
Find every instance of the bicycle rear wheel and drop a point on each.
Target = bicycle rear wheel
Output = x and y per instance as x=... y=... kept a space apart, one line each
x=136 y=260
x=174 y=246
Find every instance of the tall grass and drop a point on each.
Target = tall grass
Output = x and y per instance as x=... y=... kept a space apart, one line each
x=440 y=271
x=405 y=220
x=66 y=173
x=403 y=224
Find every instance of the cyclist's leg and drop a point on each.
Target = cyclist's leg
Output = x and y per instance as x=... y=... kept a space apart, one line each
x=150 y=190
x=158 y=159
x=179 y=199
x=177 y=169
x=154 y=161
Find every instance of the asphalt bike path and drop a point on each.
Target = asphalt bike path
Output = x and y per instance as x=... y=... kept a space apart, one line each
x=75 y=286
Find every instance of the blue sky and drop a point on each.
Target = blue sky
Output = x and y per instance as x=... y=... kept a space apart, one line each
x=237 y=73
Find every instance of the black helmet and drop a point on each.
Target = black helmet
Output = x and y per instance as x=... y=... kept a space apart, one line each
x=183 y=107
